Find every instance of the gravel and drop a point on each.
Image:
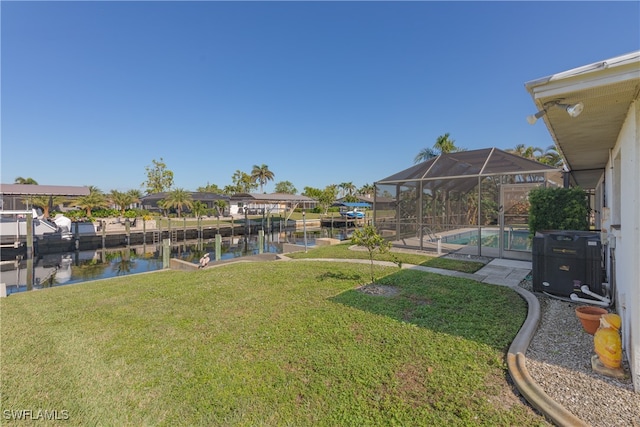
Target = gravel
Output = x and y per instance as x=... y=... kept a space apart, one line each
x=559 y=360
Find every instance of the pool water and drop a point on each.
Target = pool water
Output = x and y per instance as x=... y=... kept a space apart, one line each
x=519 y=239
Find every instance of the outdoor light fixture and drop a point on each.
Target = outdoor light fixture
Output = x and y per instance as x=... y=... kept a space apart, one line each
x=304 y=228
x=573 y=110
x=534 y=117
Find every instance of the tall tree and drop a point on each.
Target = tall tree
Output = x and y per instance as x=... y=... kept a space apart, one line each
x=230 y=190
x=526 y=152
x=121 y=199
x=285 y=187
x=328 y=197
x=95 y=199
x=209 y=188
x=443 y=145
x=46 y=203
x=159 y=178
x=312 y=192
x=347 y=188
x=243 y=183
x=551 y=157
x=136 y=195
x=325 y=197
x=261 y=174
x=367 y=190
x=179 y=198
x=21 y=180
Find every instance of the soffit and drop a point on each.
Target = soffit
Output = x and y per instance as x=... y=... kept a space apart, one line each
x=607 y=90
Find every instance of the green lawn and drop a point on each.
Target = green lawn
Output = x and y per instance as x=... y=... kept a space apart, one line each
x=342 y=251
x=273 y=343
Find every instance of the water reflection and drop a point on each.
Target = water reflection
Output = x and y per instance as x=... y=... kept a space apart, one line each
x=45 y=271
x=80 y=266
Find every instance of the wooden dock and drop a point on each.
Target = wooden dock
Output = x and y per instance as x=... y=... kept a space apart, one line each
x=343 y=222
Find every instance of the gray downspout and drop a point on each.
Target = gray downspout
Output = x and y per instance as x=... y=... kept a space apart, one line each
x=479 y=216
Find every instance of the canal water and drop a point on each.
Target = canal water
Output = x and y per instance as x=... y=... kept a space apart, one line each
x=51 y=270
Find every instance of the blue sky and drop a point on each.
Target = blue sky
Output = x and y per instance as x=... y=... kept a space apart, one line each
x=321 y=92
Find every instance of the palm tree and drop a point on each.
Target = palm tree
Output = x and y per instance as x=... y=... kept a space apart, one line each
x=242 y=183
x=46 y=203
x=367 y=190
x=164 y=205
x=21 y=180
x=446 y=145
x=261 y=174
x=136 y=195
x=122 y=200
x=178 y=199
x=526 y=152
x=551 y=157
x=198 y=208
x=28 y=200
x=220 y=204
x=95 y=199
x=443 y=145
x=347 y=188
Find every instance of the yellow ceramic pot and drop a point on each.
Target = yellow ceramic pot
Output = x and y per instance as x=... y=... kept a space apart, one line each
x=607 y=342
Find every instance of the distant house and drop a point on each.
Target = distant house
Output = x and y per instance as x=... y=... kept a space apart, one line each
x=600 y=144
x=16 y=196
x=273 y=204
x=150 y=201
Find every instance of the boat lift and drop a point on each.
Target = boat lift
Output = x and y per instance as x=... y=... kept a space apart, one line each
x=12 y=229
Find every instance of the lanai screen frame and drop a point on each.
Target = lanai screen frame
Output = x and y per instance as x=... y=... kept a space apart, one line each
x=463 y=173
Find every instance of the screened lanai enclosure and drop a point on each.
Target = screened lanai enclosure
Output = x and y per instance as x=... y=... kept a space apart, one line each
x=471 y=202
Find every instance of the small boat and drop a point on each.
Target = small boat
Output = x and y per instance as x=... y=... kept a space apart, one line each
x=13 y=227
x=354 y=214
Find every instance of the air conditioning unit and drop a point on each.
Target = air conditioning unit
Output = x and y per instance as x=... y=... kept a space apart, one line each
x=564 y=261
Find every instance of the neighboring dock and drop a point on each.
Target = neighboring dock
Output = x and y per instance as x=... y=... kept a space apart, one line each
x=118 y=232
x=113 y=232
x=343 y=222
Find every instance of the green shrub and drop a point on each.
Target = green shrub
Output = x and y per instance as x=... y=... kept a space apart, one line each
x=558 y=209
x=75 y=215
x=105 y=213
x=136 y=213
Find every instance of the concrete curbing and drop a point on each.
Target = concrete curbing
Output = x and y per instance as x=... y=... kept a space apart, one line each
x=517 y=366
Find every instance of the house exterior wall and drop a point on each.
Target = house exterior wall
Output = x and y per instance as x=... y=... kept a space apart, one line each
x=623 y=200
x=255 y=207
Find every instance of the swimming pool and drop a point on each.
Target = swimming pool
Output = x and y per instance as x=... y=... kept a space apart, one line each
x=514 y=239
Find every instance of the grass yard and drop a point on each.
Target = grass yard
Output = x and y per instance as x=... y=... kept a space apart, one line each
x=342 y=251
x=273 y=343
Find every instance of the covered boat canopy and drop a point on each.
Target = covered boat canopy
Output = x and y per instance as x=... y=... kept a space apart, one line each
x=354 y=205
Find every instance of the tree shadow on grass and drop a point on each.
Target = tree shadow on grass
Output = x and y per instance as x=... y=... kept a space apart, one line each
x=339 y=276
x=487 y=314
